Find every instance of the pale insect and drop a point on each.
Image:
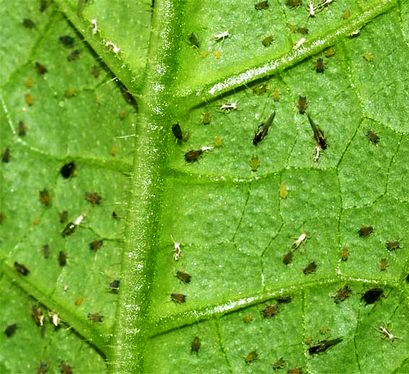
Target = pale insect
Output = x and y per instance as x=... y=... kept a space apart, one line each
x=386 y=333
x=55 y=319
x=317 y=153
x=221 y=36
x=94 y=26
x=227 y=107
x=313 y=8
x=177 y=249
x=112 y=47
x=299 y=43
x=300 y=240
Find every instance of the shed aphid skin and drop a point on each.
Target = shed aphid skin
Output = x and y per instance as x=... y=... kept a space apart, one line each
x=193 y=40
x=344 y=254
x=115 y=49
x=262 y=129
x=221 y=36
x=387 y=334
x=177 y=250
x=365 y=231
x=300 y=240
x=94 y=26
x=184 y=277
x=38 y=315
x=279 y=364
x=251 y=357
x=300 y=43
x=318 y=134
x=372 y=296
x=247 y=319
x=228 y=107
x=317 y=153
x=10 y=330
x=194 y=154
x=178 y=298
x=383 y=264
x=72 y=226
x=254 y=163
x=262 y=5
x=20 y=268
x=323 y=345
x=54 y=318
x=195 y=345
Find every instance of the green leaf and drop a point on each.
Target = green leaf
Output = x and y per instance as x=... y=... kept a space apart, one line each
x=288 y=249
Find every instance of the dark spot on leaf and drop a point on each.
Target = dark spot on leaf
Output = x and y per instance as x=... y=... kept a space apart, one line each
x=10 y=330
x=184 y=277
x=288 y=258
x=68 y=170
x=295 y=371
x=28 y=23
x=178 y=298
x=63 y=216
x=365 y=231
x=22 y=269
x=62 y=258
x=29 y=100
x=93 y=198
x=42 y=368
x=45 y=197
x=2 y=217
x=5 y=155
x=95 y=245
x=95 y=317
x=44 y=5
x=196 y=343
x=74 y=55
x=371 y=296
x=67 y=41
x=41 y=69
x=114 y=285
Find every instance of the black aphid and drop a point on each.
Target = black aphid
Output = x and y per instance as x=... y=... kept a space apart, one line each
x=262 y=130
x=373 y=137
x=21 y=129
x=262 y=5
x=46 y=251
x=184 y=277
x=288 y=258
x=251 y=357
x=67 y=41
x=310 y=268
x=62 y=258
x=67 y=170
x=95 y=245
x=5 y=155
x=10 y=330
x=372 y=296
x=69 y=229
x=323 y=345
x=22 y=269
x=365 y=231
x=114 y=215
x=178 y=298
x=130 y=99
x=318 y=134
x=114 y=285
x=196 y=343
x=284 y=300
x=177 y=131
x=193 y=40
x=319 y=65
x=41 y=69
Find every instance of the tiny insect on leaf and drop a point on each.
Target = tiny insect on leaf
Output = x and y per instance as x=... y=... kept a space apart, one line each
x=68 y=170
x=177 y=131
x=41 y=69
x=372 y=296
x=310 y=268
x=95 y=245
x=365 y=231
x=62 y=259
x=288 y=258
x=65 y=368
x=342 y=294
x=262 y=130
x=67 y=41
x=5 y=155
x=302 y=104
x=270 y=311
x=320 y=65
x=45 y=198
x=95 y=317
x=38 y=315
x=22 y=269
x=193 y=40
x=323 y=345
x=94 y=198
x=114 y=285
x=318 y=134
x=184 y=277
x=392 y=245
x=262 y=5
x=195 y=345
x=279 y=364
x=178 y=298
x=251 y=357
x=10 y=330
x=373 y=137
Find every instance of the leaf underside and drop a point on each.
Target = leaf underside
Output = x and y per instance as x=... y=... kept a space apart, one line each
x=107 y=100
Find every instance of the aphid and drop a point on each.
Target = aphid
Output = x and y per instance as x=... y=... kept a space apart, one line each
x=94 y=26
x=251 y=357
x=302 y=104
x=194 y=155
x=262 y=5
x=28 y=23
x=330 y=52
x=221 y=36
x=114 y=215
x=342 y=294
x=261 y=89
x=310 y=268
x=42 y=368
x=127 y=95
x=29 y=100
x=301 y=239
x=299 y=43
x=320 y=65
x=368 y=56
x=283 y=191
x=254 y=163
x=365 y=231
x=63 y=216
x=65 y=368
x=293 y=3
x=371 y=296
x=54 y=318
x=227 y=107
x=383 y=264
x=177 y=131
x=22 y=269
x=267 y=40
x=94 y=198
x=62 y=258
x=114 y=285
x=373 y=137
x=178 y=298
x=206 y=118
x=318 y=134
x=324 y=330
x=74 y=55
x=95 y=245
x=71 y=226
x=79 y=301
x=344 y=254
x=355 y=34
x=294 y=371
x=407 y=278
x=317 y=153
x=284 y=299
x=262 y=129
x=184 y=277
x=193 y=40
x=68 y=170
x=270 y=311
x=247 y=319
x=279 y=364
x=386 y=333
x=195 y=345
x=46 y=251
x=323 y=345
x=177 y=249
x=41 y=69
x=10 y=330
x=288 y=258
x=392 y=245
x=45 y=197
x=302 y=30
x=95 y=317
x=21 y=129
x=113 y=47
x=38 y=315
x=346 y=14
x=67 y=41
x=5 y=155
